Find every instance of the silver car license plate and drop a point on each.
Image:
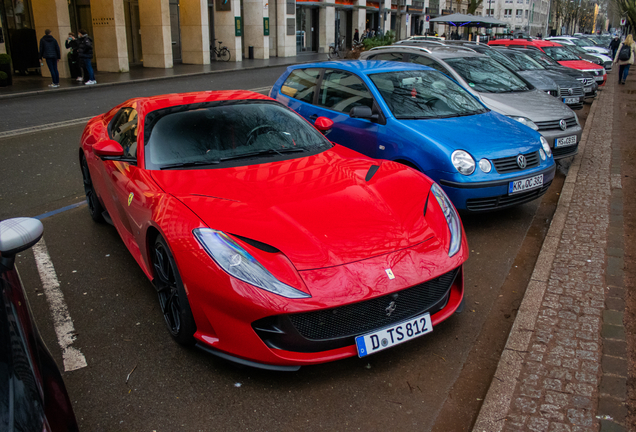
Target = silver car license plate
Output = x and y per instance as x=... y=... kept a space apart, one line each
x=570 y=100
x=565 y=141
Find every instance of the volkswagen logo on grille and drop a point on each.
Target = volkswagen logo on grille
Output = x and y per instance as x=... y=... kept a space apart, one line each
x=570 y=91
x=390 y=308
x=563 y=124
x=521 y=161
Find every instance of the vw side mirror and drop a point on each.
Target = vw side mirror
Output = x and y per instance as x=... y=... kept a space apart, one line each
x=363 y=112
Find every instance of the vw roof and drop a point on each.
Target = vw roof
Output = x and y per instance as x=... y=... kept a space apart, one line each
x=363 y=66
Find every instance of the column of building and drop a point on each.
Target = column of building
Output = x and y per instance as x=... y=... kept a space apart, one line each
x=359 y=16
x=195 y=31
x=228 y=27
x=53 y=15
x=327 y=17
x=255 y=14
x=109 y=35
x=286 y=28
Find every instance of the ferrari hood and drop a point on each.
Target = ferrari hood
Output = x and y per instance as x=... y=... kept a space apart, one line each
x=320 y=211
x=535 y=105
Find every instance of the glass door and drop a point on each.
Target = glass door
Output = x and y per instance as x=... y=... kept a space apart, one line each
x=175 y=31
x=133 y=37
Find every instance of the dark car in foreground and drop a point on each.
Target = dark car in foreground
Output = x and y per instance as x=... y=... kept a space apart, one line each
x=32 y=393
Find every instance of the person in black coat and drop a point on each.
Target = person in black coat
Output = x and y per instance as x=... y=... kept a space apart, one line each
x=50 y=51
x=72 y=44
x=614 y=45
x=85 y=53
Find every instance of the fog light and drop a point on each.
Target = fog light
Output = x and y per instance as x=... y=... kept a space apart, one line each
x=485 y=165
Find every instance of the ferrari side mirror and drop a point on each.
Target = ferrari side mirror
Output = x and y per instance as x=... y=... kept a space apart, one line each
x=109 y=148
x=323 y=124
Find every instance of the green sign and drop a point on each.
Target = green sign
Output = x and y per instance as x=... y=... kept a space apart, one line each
x=265 y=26
x=238 y=26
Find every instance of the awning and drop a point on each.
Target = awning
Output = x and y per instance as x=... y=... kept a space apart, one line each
x=467 y=20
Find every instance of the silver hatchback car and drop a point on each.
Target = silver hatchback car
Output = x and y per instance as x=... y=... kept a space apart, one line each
x=499 y=89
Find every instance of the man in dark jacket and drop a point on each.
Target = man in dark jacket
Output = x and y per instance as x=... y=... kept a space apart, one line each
x=50 y=51
x=614 y=45
x=85 y=52
x=71 y=44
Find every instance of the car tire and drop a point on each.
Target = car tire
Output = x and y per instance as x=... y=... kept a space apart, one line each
x=94 y=205
x=173 y=299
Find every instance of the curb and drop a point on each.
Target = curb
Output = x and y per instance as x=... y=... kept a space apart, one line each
x=144 y=80
x=497 y=401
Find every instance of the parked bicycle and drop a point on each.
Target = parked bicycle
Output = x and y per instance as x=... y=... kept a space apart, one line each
x=337 y=50
x=221 y=53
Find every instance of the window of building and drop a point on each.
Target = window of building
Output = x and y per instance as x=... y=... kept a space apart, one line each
x=519 y=12
x=507 y=13
x=341 y=91
x=526 y=14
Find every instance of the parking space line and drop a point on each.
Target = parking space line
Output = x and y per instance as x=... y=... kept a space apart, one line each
x=64 y=328
x=60 y=210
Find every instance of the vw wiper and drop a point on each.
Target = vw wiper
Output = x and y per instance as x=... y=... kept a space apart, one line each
x=262 y=153
x=189 y=164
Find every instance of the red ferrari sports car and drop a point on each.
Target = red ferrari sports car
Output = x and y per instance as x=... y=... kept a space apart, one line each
x=267 y=244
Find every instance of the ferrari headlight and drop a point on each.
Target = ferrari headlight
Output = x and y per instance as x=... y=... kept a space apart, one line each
x=237 y=262
x=545 y=146
x=452 y=219
x=463 y=162
x=526 y=121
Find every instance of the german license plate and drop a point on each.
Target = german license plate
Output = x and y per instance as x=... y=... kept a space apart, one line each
x=599 y=78
x=570 y=100
x=525 y=184
x=565 y=141
x=398 y=333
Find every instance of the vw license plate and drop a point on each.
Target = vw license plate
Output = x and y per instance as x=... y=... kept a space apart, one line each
x=525 y=184
x=570 y=100
x=565 y=141
x=379 y=340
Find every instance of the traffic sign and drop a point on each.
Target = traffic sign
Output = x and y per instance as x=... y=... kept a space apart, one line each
x=623 y=21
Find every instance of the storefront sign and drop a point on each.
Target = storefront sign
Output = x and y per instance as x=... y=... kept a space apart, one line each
x=223 y=5
x=238 y=26
x=265 y=26
x=415 y=8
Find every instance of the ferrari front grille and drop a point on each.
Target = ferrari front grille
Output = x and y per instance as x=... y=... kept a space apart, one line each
x=358 y=318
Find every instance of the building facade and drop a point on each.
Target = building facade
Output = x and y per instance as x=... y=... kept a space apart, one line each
x=522 y=16
x=160 y=33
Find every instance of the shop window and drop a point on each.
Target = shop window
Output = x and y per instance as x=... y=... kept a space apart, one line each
x=341 y=91
x=301 y=84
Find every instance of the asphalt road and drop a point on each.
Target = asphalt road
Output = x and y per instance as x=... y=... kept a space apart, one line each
x=120 y=329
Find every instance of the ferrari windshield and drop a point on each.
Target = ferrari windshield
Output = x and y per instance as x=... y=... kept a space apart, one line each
x=424 y=95
x=559 y=53
x=487 y=75
x=239 y=132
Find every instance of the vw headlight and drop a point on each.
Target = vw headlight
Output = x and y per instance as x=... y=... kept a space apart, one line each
x=545 y=146
x=452 y=219
x=463 y=162
x=526 y=121
x=237 y=262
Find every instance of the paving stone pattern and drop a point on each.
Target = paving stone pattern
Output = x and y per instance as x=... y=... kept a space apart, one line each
x=558 y=385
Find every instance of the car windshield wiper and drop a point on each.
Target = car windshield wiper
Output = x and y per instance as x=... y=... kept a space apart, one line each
x=262 y=153
x=189 y=164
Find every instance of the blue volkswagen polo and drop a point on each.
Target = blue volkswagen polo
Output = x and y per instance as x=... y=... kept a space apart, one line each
x=418 y=116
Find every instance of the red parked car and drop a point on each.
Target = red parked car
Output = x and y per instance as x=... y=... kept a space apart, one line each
x=559 y=54
x=267 y=244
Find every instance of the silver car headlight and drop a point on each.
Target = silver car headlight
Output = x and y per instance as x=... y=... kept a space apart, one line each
x=463 y=162
x=452 y=219
x=545 y=146
x=526 y=121
x=237 y=262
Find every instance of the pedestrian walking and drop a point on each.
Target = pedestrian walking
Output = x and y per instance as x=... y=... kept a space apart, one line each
x=85 y=53
x=614 y=44
x=72 y=44
x=50 y=52
x=625 y=58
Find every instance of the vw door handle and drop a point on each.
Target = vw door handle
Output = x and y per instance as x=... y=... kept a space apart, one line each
x=313 y=117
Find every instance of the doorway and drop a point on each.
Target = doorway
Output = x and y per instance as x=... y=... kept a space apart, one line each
x=175 y=31
x=307 y=29
x=133 y=37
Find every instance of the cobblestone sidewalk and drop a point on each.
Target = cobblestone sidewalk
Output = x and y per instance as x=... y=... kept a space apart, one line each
x=564 y=367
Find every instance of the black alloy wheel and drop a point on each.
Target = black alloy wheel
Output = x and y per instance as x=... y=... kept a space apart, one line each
x=172 y=297
x=94 y=206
